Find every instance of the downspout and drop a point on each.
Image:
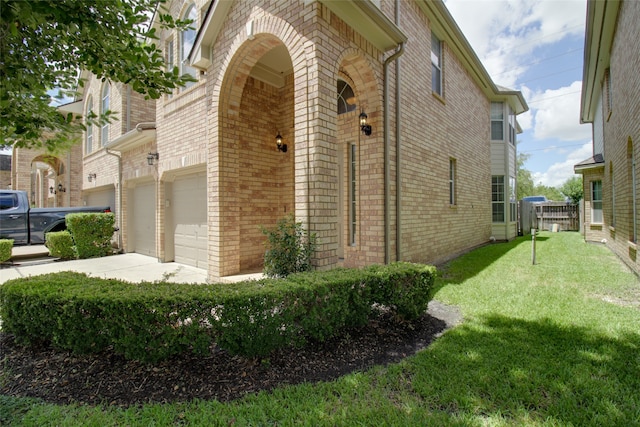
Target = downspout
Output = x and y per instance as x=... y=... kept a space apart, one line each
x=387 y=185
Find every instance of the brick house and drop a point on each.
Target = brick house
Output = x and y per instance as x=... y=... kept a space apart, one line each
x=611 y=103
x=193 y=176
x=51 y=179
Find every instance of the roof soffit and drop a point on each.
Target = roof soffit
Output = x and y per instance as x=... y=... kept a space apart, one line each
x=599 y=32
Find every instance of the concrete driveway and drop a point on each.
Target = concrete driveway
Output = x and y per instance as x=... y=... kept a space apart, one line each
x=132 y=267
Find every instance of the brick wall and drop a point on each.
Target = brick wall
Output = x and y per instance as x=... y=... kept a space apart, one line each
x=622 y=135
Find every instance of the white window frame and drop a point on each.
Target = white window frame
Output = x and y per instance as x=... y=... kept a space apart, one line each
x=89 y=124
x=187 y=39
x=437 y=81
x=497 y=117
x=452 y=181
x=105 y=101
x=497 y=199
x=596 y=202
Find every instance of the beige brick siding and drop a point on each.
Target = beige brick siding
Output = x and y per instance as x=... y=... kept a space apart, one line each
x=622 y=135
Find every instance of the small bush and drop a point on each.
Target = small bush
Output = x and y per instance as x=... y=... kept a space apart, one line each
x=155 y=321
x=289 y=248
x=6 y=246
x=60 y=244
x=91 y=233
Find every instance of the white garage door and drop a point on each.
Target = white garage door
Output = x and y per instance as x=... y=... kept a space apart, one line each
x=105 y=197
x=142 y=214
x=189 y=204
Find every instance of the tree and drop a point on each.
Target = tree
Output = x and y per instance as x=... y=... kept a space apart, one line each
x=573 y=189
x=525 y=180
x=551 y=193
x=45 y=44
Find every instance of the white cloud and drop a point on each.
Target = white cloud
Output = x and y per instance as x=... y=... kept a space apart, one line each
x=504 y=33
x=557 y=173
x=557 y=114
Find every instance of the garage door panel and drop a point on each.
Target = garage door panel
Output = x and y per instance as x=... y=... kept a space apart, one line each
x=190 y=221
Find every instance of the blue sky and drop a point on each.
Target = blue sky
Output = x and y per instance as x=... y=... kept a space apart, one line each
x=535 y=46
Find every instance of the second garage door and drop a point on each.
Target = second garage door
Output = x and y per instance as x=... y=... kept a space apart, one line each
x=189 y=204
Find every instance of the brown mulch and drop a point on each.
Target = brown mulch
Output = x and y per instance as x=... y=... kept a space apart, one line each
x=61 y=377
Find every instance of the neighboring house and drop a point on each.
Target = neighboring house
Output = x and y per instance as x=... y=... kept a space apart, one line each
x=50 y=179
x=393 y=141
x=611 y=103
x=5 y=171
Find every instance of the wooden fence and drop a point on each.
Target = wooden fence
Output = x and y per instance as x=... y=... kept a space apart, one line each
x=551 y=216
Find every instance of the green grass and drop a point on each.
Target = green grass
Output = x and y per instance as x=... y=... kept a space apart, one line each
x=541 y=345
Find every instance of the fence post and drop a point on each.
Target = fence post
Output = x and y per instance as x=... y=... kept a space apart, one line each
x=533 y=246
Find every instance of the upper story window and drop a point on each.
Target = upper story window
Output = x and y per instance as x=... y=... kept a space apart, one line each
x=436 y=65
x=346 y=98
x=169 y=58
x=89 y=123
x=497 y=121
x=104 y=109
x=512 y=127
x=187 y=39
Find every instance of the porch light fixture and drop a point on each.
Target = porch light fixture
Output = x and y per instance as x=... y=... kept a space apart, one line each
x=151 y=157
x=61 y=189
x=281 y=147
x=364 y=127
x=91 y=177
x=51 y=190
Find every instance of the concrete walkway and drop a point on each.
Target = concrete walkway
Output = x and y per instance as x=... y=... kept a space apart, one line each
x=132 y=267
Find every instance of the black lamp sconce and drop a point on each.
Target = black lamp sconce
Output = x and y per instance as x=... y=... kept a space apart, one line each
x=151 y=157
x=91 y=177
x=61 y=189
x=364 y=126
x=281 y=147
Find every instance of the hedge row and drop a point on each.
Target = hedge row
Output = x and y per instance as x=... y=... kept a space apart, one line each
x=88 y=235
x=154 y=321
x=6 y=247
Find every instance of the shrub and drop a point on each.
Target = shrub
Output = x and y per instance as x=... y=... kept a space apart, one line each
x=6 y=246
x=289 y=248
x=154 y=321
x=60 y=244
x=91 y=233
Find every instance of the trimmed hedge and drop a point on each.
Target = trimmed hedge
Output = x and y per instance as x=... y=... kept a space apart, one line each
x=6 y=247
x=154 y=321
x=60 y=244
x=91 y=233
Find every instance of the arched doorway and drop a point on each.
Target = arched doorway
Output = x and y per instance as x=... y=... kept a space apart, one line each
x=256 y=178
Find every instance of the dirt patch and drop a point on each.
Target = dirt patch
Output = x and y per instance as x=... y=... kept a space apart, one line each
x=62 y=378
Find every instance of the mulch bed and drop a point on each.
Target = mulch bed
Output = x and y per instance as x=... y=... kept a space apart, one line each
x=61 y=377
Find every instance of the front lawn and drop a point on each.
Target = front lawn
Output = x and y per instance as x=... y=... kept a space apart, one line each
x=556 y=343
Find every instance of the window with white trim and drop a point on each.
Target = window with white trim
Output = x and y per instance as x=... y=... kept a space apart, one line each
x=436 y=65
x=104 y=110
x=452 y=182
x=169 y=59
x=187 y=39
x=89 y=124
x=497 y=198
x=497 y=121
x=596 y=202
x=352 y=195
x=346 y=97
x=513 y=203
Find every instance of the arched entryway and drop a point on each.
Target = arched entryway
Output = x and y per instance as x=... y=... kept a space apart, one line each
x=255 y=177
x=48 y=182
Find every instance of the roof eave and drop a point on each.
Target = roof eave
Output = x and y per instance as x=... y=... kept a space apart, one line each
x=599 y=31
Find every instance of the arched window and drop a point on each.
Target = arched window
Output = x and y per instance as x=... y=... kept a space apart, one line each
x=346 y=98
x=88 y=122
x=104 y=109
x=187 y=38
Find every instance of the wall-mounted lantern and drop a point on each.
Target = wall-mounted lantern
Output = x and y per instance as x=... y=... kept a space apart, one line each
x=364 y=126
x=151 y=157
x=61 y=189
x=91 y=177
x=281 y=147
